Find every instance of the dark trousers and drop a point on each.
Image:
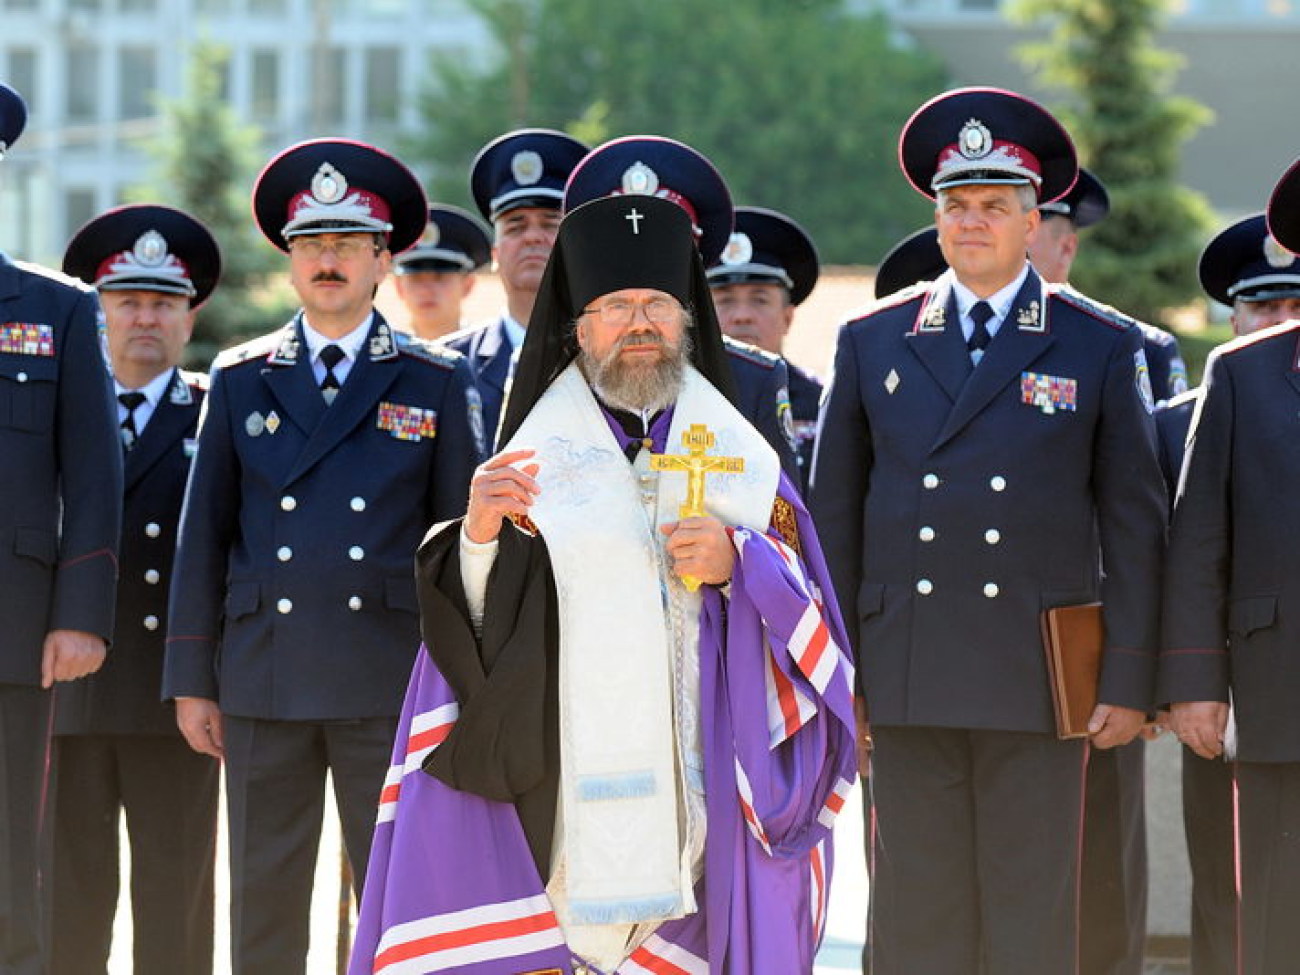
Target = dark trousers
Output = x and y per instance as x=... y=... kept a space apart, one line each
x=1209 y=820
x=168 y=793
x=275 y=790
x=1113 y=893
x=976 y=863
x=1268 y=838
x=24 y=749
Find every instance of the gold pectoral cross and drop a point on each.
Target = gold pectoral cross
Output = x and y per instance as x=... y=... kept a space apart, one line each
x=696 y=439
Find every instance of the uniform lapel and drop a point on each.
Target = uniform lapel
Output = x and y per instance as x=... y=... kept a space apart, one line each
x=376 y=369
x=1022 y=338
x=492 y=357
x=171 y=418
x=936 y=339
x=289 y=377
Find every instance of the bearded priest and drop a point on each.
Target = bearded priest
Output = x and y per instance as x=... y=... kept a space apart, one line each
x=631 y=725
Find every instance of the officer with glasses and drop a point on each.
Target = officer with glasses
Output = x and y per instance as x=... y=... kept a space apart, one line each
x=328 y=448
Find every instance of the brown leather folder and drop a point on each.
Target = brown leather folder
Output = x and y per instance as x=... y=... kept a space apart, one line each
x=1073 y=637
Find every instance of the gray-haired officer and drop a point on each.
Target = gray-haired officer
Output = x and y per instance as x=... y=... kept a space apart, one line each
x=60 y=514
x=518 y=184
x=327 y=449
x=436 y=274
x=117 y=747
x=985 y=443
x=1246 y=269
x=768 y=268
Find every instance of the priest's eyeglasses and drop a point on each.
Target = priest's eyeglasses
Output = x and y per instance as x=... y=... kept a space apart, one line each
x=343 y=248
x=619 y=312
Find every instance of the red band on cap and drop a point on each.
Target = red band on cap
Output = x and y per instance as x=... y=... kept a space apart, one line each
x=1006 y=156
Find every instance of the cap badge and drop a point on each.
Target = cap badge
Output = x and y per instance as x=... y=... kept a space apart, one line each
x=1277 y=255
x=150 y=249
x=739 y=250
x=432 y=234
x=328 y=185
x=640 y=178
x=526 y=167
x=975 y=140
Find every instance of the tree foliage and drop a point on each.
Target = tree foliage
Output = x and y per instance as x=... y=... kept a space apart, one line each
x=206 y=162
x=1130 y=131
x=798 y=102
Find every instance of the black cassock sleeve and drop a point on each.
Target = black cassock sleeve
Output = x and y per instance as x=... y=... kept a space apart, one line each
x=505 y=743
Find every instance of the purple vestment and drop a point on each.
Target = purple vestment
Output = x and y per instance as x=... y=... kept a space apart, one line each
x=452 y=885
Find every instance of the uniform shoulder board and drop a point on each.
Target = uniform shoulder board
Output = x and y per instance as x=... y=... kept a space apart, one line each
x=53 y=276
x=760 y=357
x=462 y=335
x=1090 y=306
x=250 y=351
x=784 y=524
x=1182 y=399
x=195 y=380
x=1242 y=342
x=1157 y=335
x=418 y=348
x=890 y=301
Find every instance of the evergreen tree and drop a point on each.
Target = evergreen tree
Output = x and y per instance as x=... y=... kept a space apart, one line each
x=1130 y=131
x=799 y=104
x=207 y=160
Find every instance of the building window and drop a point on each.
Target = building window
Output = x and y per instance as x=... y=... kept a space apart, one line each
x=21 y=73
x=383 y=71
x=78 y=209
x=83 y=83
x=265 y=85
x=329 y=77
x=137 y=82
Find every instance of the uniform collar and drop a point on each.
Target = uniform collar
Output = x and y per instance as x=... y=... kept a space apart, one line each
x=350 y=343
x=1000 y=301
x=153 y=390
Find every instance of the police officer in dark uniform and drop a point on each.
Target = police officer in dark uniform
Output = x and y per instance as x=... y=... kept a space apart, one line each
x=1246 y=269
x=436 y=274
x=985 y=444
x=117 y=747
x=327 y=449
x=518 y=184
x=655 y=166
x=60 y=513
x=767 y=269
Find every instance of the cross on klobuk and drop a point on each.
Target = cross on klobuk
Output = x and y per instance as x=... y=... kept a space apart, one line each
x=636 y=219
x=696 y=439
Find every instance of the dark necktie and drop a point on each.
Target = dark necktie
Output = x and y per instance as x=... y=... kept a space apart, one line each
x=330 y=356
x=129 y=432
x=980 y=313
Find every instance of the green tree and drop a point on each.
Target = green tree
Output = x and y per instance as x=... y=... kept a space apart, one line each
x=1130 y=131
x=206 y=162
x=799 y=104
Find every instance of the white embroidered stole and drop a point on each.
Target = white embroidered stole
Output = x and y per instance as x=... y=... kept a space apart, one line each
x=630 y=824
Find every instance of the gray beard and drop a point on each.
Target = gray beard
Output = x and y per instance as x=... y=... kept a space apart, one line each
x=637 y=388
